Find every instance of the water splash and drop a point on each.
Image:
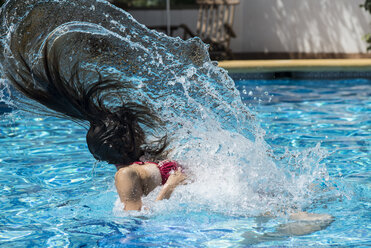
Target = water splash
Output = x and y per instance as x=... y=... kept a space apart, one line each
x=213 y=133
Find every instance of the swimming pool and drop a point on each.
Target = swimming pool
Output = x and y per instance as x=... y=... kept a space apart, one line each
x=53 y=194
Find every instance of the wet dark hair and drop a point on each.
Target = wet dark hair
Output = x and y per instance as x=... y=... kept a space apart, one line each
x=115 y=134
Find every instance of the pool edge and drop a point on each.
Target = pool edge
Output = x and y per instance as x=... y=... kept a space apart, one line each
x=296 y=65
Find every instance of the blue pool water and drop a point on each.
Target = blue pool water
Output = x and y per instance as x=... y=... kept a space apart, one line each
x=54 y=194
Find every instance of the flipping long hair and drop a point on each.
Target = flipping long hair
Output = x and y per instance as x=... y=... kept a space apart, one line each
x=115 y=134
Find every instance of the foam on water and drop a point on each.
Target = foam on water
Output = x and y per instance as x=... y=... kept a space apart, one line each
x=213 y=134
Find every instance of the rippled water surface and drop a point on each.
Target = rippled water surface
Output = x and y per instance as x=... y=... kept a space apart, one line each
x=52 y=193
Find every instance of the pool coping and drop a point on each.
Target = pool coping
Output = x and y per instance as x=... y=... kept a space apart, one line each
x=297 y=65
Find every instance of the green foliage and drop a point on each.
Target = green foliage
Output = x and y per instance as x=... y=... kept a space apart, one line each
x=367 y=37
x=367 y=5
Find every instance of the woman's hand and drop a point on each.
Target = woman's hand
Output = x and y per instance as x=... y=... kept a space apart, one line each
x=176 y=178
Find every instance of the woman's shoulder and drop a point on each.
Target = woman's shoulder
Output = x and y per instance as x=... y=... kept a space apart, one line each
x=127 y=171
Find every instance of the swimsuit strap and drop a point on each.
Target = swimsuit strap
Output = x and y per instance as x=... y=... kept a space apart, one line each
x=138 y=162
x=147 y=162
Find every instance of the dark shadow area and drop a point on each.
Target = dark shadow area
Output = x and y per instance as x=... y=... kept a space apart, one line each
x=153 y=4
x=4 y=108
x=298 y=55
x=335 y=75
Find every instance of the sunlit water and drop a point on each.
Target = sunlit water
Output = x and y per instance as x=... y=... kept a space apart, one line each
x=53 y=194
x=269 y=150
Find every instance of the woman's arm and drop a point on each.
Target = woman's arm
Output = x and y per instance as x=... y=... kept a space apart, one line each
x=173 y=181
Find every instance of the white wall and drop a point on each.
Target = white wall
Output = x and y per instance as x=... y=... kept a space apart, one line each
x=311 y=26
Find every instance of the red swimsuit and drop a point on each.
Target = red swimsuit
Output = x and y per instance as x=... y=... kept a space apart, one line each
x=165 y=168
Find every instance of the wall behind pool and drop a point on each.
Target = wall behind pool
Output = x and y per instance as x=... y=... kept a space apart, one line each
x=304 y=26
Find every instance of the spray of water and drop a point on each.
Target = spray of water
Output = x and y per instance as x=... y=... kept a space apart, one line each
x=213 y=134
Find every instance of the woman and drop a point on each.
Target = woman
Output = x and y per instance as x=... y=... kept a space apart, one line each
x=140 y=178
x=115 y=134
